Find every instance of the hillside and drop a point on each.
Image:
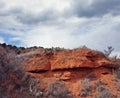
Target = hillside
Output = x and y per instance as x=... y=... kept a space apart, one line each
x=39 y=72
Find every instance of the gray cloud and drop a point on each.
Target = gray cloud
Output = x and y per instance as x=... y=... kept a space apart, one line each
x=27 y=17
x=2 y=4
x=93 y=8
x=9 y=22
x=31 y=18
x=77 y=23
x=13 y=12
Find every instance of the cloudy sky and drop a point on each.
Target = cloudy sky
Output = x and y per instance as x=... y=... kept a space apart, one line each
x=63 y=23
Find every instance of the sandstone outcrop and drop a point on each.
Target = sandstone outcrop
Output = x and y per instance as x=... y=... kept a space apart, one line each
x=65 y=76
x=68 y=59
x=79 y=58
x=37 y=64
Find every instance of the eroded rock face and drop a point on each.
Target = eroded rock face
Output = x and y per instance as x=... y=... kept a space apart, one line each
x=80 y=58
x=38 y=64
x=65 y=76
x=68 y=59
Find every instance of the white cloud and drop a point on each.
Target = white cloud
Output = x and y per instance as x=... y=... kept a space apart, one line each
x=48 y=36
x=115 y=54
x=96 y=33
x=53 y=23
x=37 y=5
x=102 y=32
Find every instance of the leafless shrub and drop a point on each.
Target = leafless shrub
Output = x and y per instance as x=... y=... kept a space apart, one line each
x=35 y=90
x=108 y=51
x=57 y=49
x=99 y=83
x=58 y=90
x=52 y=50
x=48 y=51
x=117 y=72
x=86 y=88
x=116 y=69
x=103 y=93
x=14 y=83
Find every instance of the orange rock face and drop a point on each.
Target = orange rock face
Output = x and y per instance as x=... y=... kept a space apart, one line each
x=81 y=58
x=66 y=76
x=38 y=64
x=68 y=59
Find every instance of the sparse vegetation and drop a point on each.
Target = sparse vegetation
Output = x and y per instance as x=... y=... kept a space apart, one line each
x=14 y=83
x=117 y=72
x=116 y=68
x=99 y=83
x=52 y=50
x=58 y=90
x=103 y=93
x=86 y=88
x=108 y=51
x=35 y=90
